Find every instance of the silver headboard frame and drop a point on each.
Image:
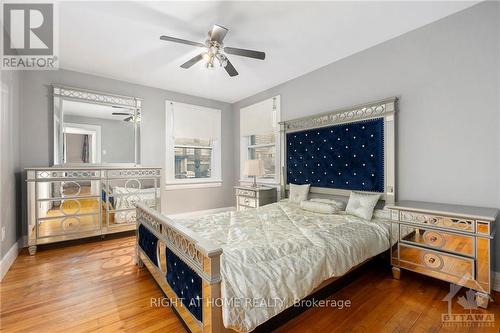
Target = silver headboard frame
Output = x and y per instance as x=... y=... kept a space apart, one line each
x=385 y=109
x=61 y=93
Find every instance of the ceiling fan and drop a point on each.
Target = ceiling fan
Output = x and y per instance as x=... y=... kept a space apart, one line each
x=129 y=118
x=215 y=50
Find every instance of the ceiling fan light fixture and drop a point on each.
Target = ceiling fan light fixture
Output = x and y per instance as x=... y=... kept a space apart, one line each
x=215 y=50
x=210 y=65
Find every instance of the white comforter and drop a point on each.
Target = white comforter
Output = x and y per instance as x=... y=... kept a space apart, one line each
x=279 y=253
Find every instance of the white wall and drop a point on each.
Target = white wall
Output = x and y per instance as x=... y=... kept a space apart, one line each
x=10 y=169
x=447 y=77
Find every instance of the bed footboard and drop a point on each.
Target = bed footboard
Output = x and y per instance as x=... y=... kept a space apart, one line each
x=186 y=267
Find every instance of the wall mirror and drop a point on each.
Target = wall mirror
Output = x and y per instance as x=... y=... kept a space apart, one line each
x=92 y=127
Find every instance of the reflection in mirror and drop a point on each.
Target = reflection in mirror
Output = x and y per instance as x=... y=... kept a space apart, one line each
x=95 y=133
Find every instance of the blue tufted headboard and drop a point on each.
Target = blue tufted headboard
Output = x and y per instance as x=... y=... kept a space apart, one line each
x=341 y=151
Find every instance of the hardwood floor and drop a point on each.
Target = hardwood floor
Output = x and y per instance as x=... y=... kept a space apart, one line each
x=96 y=287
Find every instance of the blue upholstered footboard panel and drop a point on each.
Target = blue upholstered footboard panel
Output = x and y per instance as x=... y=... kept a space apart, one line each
x=148 y=243
x=186 y=284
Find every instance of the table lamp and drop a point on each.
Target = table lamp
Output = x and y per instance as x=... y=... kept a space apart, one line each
x=254 y=168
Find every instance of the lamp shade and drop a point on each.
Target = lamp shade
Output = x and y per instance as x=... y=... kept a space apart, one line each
x=254 y=168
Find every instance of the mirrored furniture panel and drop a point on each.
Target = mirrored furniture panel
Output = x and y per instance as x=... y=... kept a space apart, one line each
x=92 y=127
x=254 y=197
x=448 y=242
x=75 y=202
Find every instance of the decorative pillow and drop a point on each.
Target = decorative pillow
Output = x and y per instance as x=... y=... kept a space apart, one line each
x=384 y=214
x=298 y=193
x=339 y=205
x=318 y=207
x=362 y=204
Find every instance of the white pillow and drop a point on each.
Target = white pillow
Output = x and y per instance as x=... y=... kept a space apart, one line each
x=318 y=207
x=339 y=205
x=298 y=193
x=362 y=204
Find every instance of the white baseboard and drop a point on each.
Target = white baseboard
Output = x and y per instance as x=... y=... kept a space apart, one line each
x=8 y=260
x=201 y=213
x=496 y=283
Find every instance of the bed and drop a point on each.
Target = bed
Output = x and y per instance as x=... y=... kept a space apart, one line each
x=234 y=271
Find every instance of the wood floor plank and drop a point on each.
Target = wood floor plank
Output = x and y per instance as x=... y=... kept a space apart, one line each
x=96 y=287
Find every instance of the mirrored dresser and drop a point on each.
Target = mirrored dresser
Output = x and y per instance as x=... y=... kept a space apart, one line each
x=448 y=242
x=67 y=203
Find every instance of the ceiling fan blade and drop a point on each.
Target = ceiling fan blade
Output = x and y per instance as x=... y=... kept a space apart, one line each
x=230 y=68
x=182 y=41
x=192 y=61
x=218 y=33
x=121 y=114
x=245 y=53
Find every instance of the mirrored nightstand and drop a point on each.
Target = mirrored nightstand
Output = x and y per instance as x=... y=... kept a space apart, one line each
x=254 y=197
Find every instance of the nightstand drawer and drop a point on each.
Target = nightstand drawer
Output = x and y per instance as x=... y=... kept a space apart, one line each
x=245 y=201
x=434 y=263
x=246 y=193
x=439 y=240
x=452 y=223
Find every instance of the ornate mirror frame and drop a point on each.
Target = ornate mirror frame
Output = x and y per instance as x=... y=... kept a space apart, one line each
x=61 y=93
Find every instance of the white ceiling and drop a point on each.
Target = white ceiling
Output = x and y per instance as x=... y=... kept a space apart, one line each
x=121 y=39
x=74 y=108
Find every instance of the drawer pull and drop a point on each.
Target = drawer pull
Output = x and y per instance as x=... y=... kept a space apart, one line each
x=433 y=261
x=251 y=202
x=70 y=224
x=434 y=238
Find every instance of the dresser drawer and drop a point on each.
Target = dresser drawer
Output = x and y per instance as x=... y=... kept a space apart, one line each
x=245 y=201
x=67 y=173
x=67 y=207
x=246 y=193
x=439 y=240
x=68 y=225
x=67 y=189
x=437 y=264
x=452 y=223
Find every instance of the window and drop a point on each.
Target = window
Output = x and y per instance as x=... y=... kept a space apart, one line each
x=263 y=147
x=193 y=158
x=193 y=144
x=260 y=138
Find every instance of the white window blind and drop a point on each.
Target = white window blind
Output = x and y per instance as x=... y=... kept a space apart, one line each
x=195 y=122
x=260 y=138
x=259 y=118
x=193 y=145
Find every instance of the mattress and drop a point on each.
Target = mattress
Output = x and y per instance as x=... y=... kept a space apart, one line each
x=278 y=254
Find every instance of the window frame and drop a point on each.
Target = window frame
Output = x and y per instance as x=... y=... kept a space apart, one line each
x=245 y=146
x=215 y=179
